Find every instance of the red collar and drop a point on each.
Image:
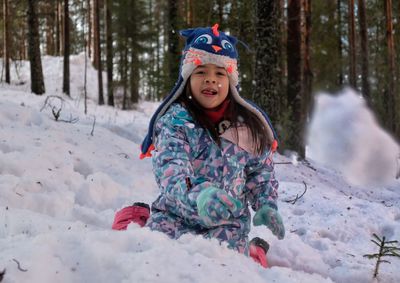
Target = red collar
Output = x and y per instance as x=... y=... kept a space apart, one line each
x=217 y=114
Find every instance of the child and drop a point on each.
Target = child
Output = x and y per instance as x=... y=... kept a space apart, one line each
x=212 y=150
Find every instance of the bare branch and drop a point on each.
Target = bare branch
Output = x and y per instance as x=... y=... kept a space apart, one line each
x=19 y=266
x=94 y=124
x=293 y=201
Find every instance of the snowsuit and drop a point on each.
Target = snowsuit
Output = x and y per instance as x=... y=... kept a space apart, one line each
x=187 y=160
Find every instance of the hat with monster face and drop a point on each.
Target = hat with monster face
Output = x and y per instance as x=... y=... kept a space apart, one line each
x=206 y=46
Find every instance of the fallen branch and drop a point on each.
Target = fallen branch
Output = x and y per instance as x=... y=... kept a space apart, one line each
x=293 y=201
x=56 y=109
x=307 y=164
x=94 y=124
x=19 y=266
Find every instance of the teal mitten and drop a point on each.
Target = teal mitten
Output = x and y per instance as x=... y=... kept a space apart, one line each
x=270 y=217
x=215 y=205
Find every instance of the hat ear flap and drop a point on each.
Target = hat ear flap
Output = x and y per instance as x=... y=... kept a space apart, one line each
x=232 y=39
x=186 y=32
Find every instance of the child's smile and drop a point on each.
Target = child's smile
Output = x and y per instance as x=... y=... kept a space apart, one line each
x=209 y=85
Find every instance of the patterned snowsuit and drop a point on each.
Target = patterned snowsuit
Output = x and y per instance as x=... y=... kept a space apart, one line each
x=186 y=160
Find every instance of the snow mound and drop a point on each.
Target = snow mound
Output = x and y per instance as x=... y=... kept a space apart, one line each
x=344 y=135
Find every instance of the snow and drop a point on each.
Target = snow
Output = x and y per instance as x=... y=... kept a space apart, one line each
x=60 y=187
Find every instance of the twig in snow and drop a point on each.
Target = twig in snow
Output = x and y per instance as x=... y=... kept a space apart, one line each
x=19 y=266
x=307 y=163
x=283 y=163
x=293 y=201
x=56 y=109
x=94 y=124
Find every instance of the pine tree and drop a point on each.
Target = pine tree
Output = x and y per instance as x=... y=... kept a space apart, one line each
x=268 y=75
x=109 y=52
x=6 y=41
x=295 y=140
x=66 y=81
x=37 y=82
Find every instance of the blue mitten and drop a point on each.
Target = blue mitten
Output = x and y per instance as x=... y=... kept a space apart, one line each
x=215 y=206
x=270 y=217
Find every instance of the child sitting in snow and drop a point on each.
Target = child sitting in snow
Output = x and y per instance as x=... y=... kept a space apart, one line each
x=212 y=152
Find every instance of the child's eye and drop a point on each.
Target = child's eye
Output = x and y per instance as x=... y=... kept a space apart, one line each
x=221 y=74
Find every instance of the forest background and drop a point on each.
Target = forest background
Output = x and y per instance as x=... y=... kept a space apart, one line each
x=289 y=50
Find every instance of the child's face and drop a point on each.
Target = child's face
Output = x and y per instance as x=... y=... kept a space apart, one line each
x=209 y=85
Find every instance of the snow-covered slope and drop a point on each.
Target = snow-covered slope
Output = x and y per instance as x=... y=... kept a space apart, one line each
x=60 y=187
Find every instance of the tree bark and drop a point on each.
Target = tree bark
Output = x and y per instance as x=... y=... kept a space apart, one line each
x=268 y=73
x=364 y=50
x=352 y=46
x=61 y=21
x=339 y=39
x=96 y=34
x=173 y=43
x=98 y=50
x=58 y=29
x=50 y=23
x=109 y=53
x=89 y=36
x=307 y=73
x=189 y=13
x=295 y=140
x=37 y=82
x=6 y=41
x=390 y=93
x=134 y=77
x=66 y=80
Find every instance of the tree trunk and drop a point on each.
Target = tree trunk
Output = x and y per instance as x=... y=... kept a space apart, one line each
x=96 y=34
x=352 y=46
x=6 y=41
x=364 y=50
x=134 y=79
x=50 y=21
x=268 y=73
x=124 y=75
x=189 y=13
x=66 y=49
x=61 y=21
x=109 y=53
x=295 y=140
x=339 y=39
x=173 y=43
x=390 y=93
x=58 y=29
x=37 y=82
x=307 y=73
x=98 y=50
x=89 y=36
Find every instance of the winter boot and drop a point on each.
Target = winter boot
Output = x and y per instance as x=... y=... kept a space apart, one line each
x=258 y=251
x=138 y=213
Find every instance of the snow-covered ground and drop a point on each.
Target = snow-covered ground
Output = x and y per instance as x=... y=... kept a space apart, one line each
x=61 y=183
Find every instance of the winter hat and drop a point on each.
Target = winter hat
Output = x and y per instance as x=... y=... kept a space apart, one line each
x=206 y=46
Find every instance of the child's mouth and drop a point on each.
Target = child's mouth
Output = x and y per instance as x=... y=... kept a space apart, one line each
x=209 y=92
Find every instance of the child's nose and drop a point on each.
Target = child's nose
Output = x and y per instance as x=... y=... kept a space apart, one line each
x=210 y=80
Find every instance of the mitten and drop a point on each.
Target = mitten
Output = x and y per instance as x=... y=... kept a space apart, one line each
x=137 y=213
x=270 y=217
x=215 y=205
